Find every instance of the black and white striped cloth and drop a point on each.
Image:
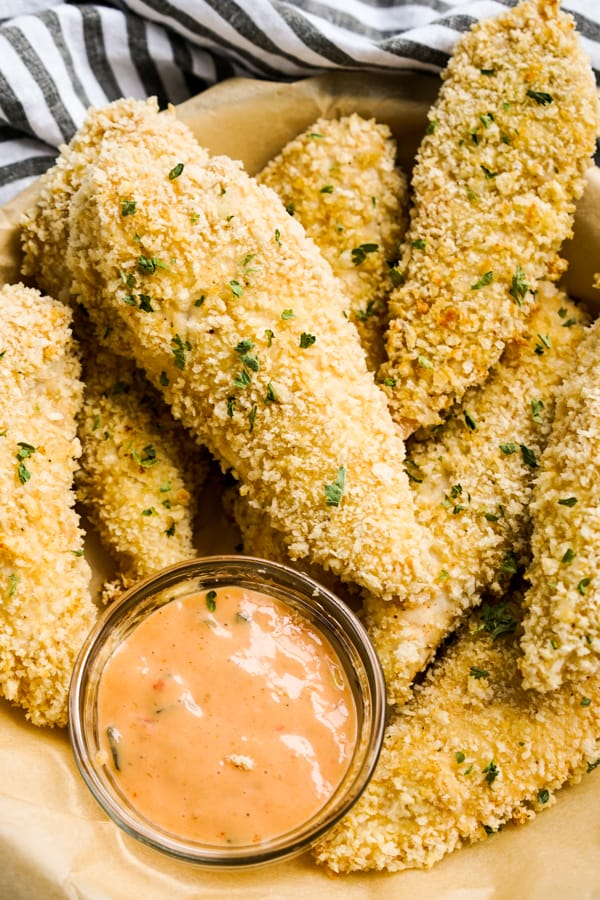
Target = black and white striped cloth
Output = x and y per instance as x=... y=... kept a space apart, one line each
x=59 y=58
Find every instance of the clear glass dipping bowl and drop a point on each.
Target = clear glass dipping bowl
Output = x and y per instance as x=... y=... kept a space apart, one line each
x=326 y=612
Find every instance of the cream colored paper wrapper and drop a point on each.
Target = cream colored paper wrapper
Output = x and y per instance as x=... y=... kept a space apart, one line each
x=55 y=841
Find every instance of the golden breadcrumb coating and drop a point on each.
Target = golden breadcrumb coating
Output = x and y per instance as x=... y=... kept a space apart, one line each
x=242 y=328
x=340 y=179
x=471 y=751
x=45 y=227
x=46 y=609
x=473 y=479
x=495 y=182
x=561 y=640
x=140 y=471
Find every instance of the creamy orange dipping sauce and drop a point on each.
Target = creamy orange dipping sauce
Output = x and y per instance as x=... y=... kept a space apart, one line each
x=226 y=718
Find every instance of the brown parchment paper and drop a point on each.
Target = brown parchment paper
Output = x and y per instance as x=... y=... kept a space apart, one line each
x=55 y=842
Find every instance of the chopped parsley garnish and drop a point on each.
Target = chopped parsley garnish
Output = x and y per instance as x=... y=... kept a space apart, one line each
x=508 y=448
x=544 y=344
x=488 y=71
x=568 y=556
x=24 y=452
x=163 y=379
x=543 y=796
x=497 y=619
x=583 y=586
x=200 y=300
x=431 y=126
x=211 y=600
x=487 y=172
x=230 y=406
x=252 y=418
x=146 y=458
x=477 y=673
x=242 y=380
x=288 y=314
x=335 y=491
x=269 y=334
x=509 y=564
x=519 y=286
x=491 y=772
x=176 y=171
x=529 y=457
x=483 y=281
x=540 y=97
x=271 y=395
x=327 y=189
x=149 y=264
x=359 y=254
x=471 y=423
x=170 y=531
x=128 y=207
x=390 y=382
x=424 y=362
x=536 y=411
x=179 y=348
x=486 y=119
x=459 y=756
x=419 y=244
x=250 y=360
x=13 y=580
x=236 y=288
x=146 y=303
x=290 y=208
x=567 y=501
x=306 y=340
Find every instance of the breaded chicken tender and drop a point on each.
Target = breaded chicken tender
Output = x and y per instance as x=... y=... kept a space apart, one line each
x=495 y=182
x=340 y=179
x=561 y=640
x=242 y=328
x=46 y=609
x=471 y=751
x=140 y=471
x=473 y=480
x=45 y=227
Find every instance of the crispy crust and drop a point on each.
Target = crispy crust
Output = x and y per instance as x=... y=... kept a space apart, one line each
x=46 y=608
x=561 y=642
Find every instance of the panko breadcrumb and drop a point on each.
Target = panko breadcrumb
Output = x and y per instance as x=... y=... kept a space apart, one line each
x=473 y=479
x=46 y=609
x=561 y=641
x=495 y=182
x=140 y=471
x=472 y=751
x=243 y=330
x=340 y=179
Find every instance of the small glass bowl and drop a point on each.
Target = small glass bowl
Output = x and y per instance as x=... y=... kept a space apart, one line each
x=326 y=613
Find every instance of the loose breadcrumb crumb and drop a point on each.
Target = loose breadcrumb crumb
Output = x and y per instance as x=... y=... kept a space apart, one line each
x=46 y=609
x=496 y=178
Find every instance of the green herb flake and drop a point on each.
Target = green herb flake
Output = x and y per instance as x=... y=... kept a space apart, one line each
x=13 y=580
x=306 y=340
x=431 y=126
x=326 y=189
x=528 y=456
x=508 y=564
x=488 y=72
x=424 y=362
x=269 y=334
x=165 y=487
x=211 y=600
x=543 y=796
x=113 y=736
x=483 y=281
x=508 y=448
x=334 y=492
x=230 y=406
x=544 y=344
x=176 y=171
x=470 y=421
x=491 y=772
x=585 y=701
x=170 y=531
x=163 y=379
x=497 y=619
x=252 y=418
x=178 y=348
x=477 y=673
x=583 y=586
x=568 y=556
x=488 y=172
x=149 y=264
x=288 y=314
x=128 y=207
x=519 y=286
x=242 y=379
x=460 y=757
x=360 y=253
x=540 y=97
x=567 y=501
x=236 y=288
x=536 y=411
x=290 y=209
x=390 y=382
x=487 y=119
x=271 y=395
x=146 y=303
x=418 y=244
x=200 y=300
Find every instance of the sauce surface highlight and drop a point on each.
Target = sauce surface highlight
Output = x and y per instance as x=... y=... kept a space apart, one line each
x=226 y=718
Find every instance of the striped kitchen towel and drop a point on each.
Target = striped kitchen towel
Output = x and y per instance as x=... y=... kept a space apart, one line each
x=57 y=59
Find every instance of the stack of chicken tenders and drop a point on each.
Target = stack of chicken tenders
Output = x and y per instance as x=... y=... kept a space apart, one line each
x=408 y=403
